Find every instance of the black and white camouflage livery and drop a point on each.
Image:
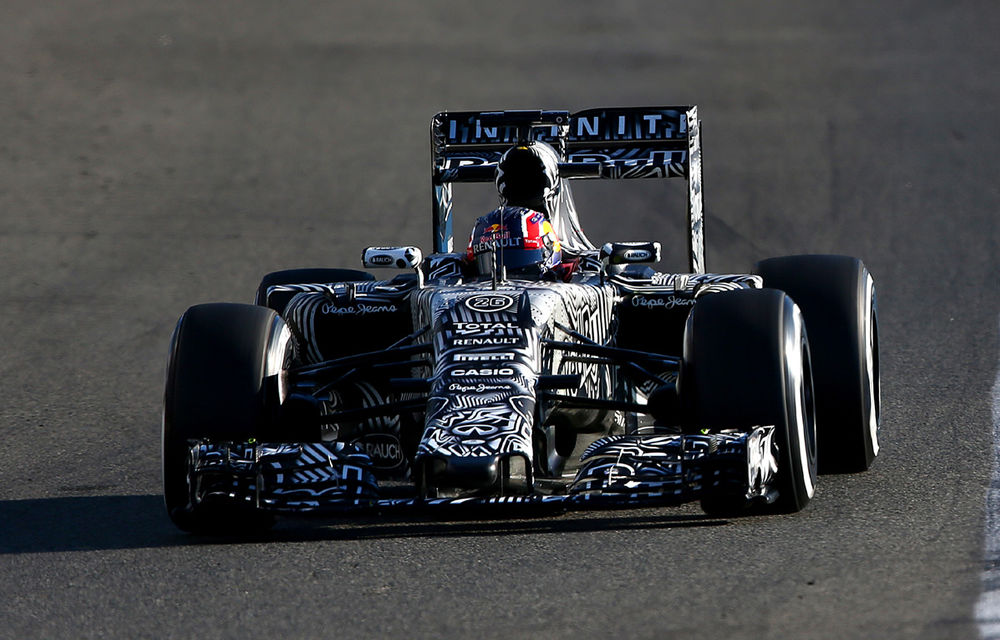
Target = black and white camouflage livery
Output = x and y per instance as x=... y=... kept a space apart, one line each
x=439 y=387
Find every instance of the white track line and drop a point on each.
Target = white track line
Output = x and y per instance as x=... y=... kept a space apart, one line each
x=988 y=607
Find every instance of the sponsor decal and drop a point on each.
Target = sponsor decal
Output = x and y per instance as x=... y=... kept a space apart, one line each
x=485 y=245
x=478 y=357
x=472 y=328
x=478 y=388
x=591 y=125
x=661 y=303
x=481 y=342
x=383 y=448
x=637 y=255
x=489 y=302
x=358 y=309
x=500 y=371
x=628 y=124
x=651 y=160
x=476 y=430
x=381 y=259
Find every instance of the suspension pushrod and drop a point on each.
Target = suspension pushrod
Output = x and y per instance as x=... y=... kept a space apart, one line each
x=369 y=357
x=614 y=353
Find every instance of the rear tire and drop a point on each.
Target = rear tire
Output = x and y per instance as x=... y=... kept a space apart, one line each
x=746 y=364
x=221 y=357
x=278 y=300
x=837 y=298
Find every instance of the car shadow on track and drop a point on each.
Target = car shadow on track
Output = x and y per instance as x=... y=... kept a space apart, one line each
x=93 y=523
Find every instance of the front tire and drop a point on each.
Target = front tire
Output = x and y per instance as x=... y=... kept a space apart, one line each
x=837 y=298
x=223 y=360
x=747 y=364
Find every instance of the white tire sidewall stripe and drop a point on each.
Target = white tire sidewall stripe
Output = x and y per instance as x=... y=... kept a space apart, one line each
x=793 y=351
x=872 y=383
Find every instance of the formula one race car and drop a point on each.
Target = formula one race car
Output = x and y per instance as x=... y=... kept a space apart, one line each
x=532 y=369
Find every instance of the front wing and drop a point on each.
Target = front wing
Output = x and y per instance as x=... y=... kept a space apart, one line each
x=615 y=472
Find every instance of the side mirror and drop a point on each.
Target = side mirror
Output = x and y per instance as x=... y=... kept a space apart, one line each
x=392 y=257
x=404 y=257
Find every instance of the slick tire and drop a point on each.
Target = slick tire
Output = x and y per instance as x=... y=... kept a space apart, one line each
x=837 y=298
x=222 y=382
x=278 y=300
x=746 y=363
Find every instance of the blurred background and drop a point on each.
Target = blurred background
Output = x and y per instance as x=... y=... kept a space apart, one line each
x=155 y=155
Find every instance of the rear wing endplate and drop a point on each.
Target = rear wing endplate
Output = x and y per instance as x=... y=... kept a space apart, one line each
x=613 y=143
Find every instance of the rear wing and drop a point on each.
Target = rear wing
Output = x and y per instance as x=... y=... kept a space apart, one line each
x=614 y=143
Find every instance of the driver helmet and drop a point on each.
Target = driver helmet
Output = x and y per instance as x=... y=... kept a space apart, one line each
x=528 y=176
x=522 y=239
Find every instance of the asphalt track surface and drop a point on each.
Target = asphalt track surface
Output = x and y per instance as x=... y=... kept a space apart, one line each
x=154 y=155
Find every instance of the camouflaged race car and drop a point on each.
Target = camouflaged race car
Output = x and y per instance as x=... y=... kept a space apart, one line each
x=597 y=383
